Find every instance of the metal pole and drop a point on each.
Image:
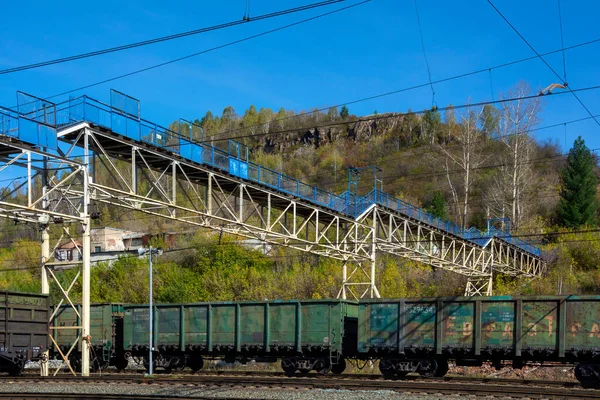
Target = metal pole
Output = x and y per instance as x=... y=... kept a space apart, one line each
x=86 y=265
x=45 y=288
x=150 y=318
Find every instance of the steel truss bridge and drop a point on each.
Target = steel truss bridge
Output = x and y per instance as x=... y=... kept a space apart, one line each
x=175 y=174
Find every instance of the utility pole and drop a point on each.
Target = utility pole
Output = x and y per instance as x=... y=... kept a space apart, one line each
x=158 y=252
x=151 y=344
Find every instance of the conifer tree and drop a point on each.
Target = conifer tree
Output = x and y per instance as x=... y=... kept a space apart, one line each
x=437 y=205
x=578 y=205
x=344 y=113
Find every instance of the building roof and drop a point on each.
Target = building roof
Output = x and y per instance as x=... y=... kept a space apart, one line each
x=71 y=244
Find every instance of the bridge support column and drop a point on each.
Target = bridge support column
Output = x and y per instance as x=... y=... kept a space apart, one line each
x=479 y=286
x=86 y=263
x=45 y=289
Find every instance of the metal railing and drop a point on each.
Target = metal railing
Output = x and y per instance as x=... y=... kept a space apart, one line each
x=125 y=121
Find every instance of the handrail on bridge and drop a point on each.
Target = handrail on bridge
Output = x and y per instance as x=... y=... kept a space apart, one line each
x=126 y=120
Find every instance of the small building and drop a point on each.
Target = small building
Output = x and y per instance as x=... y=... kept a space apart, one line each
x=69 y=251
x=109 y=239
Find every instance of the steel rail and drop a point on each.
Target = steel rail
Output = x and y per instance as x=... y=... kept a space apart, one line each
x=482 y=387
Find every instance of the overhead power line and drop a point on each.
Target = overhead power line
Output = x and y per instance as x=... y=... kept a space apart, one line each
x=380 y=117
x=247 y=38
x=425 y=53
x=170 y=37
x=565 y=84
x=406 y=89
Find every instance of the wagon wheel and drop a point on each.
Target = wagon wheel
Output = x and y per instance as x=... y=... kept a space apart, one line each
x=288 y=366
x=430 y=368
x=195 y=363
x=442 y=367
x=386 y=368
x=122 y=362
x=339 y=367
x=586 y=376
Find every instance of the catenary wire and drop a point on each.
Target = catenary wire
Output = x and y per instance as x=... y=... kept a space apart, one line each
x=410 y=88
x=131 y=254
x=169 y=37
x=544 y=61
x=247 y=38
x=562 y=42
x=378 y=117
x=425 y=53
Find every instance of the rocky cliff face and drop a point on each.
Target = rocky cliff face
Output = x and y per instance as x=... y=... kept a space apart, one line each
x=359 y=131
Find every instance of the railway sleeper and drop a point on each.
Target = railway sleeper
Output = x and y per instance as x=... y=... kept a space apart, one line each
x=393 y=368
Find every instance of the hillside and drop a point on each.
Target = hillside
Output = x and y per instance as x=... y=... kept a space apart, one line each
x=464 y=165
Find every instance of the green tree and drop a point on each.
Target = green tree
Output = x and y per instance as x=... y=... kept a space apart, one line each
x=437 y=205
x=265 y=117
x=250 y=120
x=280 y=117
x=489 y=120
x=229 y=118
x=431 y=124
x=208 y=123
x=578 y=205
x=344 y=113
x=333 y=114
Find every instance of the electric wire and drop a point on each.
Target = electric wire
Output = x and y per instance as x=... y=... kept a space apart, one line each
x=379 y=117
x=245 y=39
x=410 y=88
x=425 y=54
x=444 y=173
x=544 y=61
x=170 y=37
x=549 y=237
x=562 y=43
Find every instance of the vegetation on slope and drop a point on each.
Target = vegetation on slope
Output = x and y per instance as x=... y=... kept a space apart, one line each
x=464 y=165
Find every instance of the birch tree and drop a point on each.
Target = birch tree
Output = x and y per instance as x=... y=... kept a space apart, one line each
x=464 y=162
x=515 y=177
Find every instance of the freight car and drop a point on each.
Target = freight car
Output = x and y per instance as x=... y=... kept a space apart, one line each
x=307 y=335
x=23 y=329
x=106 y=333
x=422 y=335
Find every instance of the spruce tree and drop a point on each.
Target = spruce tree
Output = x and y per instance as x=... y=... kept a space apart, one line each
x=437 y=205
x=578 y=205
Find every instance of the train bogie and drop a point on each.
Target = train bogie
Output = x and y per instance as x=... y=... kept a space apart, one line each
x=23 y=329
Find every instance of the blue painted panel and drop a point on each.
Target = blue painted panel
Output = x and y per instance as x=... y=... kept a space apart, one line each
x=185 y=149
x=243 y=169
x=28 y=131
x=118 y=124
x=49 y=137
x=133 y=129
x=234 y=166
x=197 y=153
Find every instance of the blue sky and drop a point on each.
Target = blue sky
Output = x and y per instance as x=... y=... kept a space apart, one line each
x=371 y=49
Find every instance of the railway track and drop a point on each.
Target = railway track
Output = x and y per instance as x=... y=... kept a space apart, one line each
x=197 y=376
x=225 y=379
